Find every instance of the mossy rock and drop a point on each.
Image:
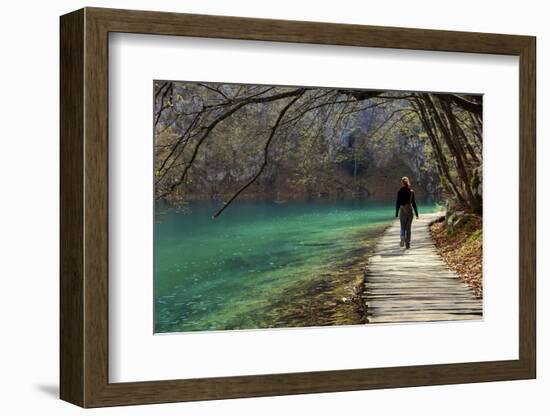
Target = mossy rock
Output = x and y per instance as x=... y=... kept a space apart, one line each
x=460 y=221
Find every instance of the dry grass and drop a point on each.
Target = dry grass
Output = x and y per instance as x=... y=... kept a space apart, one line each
x=463 y=252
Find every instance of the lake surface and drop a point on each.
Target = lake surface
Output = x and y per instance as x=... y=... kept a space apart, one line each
x=262 y=264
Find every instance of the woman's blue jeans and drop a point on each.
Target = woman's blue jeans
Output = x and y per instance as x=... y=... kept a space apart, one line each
x=406 y=219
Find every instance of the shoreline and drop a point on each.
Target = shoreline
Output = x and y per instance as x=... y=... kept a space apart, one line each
x=333 y=298
x=286 y=199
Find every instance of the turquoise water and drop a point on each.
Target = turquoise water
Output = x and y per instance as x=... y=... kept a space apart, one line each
x=261 y=264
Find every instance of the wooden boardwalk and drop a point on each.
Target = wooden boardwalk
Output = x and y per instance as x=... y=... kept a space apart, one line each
x=416 y=284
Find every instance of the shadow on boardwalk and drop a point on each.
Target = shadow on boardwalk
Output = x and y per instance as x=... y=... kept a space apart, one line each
x=415 y=285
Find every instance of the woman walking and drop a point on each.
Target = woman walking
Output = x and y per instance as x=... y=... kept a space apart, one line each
x=404 y=208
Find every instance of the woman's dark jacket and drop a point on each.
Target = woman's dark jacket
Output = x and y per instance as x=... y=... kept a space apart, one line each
x=405 y=196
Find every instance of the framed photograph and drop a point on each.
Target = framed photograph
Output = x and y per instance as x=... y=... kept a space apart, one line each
x=255 y=207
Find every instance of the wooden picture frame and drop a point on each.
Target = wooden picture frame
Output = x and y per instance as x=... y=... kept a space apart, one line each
x=84 y=207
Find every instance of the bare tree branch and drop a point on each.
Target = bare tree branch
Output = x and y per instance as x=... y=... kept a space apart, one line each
x=178 y=142
x=164 y=84
x=227 y=99
x=468 y=105
x=208 y=129
x=266 y=156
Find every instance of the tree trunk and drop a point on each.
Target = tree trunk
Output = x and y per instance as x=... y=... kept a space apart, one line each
x=456 y=151
x=442 y=163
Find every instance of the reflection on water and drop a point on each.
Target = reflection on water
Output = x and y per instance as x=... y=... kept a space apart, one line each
x=261 y=264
